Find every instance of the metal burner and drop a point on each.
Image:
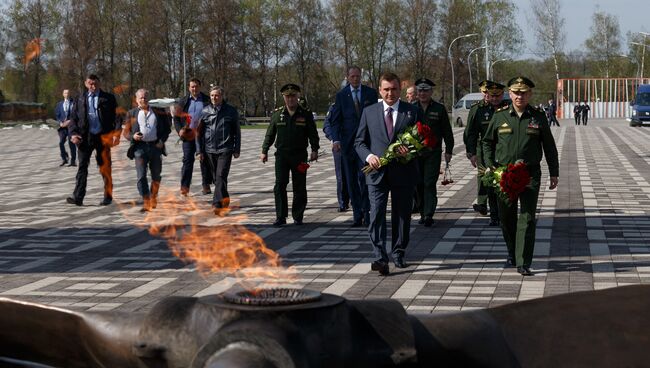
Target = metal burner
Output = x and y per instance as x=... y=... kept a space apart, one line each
x=271 y=297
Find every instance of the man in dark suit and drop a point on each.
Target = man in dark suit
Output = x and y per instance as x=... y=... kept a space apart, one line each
x=93 y=128
x=62 y=112
x=344 y=119
x=379 y=127
x=148 y=129
x=186 y=124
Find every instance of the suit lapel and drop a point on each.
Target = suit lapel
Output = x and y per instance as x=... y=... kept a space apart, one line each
x=382 y=123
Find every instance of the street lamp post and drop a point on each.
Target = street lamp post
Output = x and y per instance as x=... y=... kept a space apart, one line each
x=185 y=34
x=492 y=65
x=469 y=65
x=453 y=80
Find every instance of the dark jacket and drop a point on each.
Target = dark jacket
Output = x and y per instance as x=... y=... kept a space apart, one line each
x=106 y=105
x=59 y=112
x=184 y=102
x=163 y=128
x=219 y=132
x=372 y=137
x=344 y=120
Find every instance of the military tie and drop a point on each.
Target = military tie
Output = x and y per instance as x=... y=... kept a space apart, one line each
x=388 y=120
x=356 y=101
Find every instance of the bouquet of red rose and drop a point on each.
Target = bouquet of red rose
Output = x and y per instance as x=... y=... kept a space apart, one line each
x=509 y=181
x=417 y=139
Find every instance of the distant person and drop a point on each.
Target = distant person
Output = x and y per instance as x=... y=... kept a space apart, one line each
x=63 y=112
x=219 y=140
x=148 y=129
x=552 y=113
x=93 y=128
x=585 y=113
x=577 y=110
x=185 y=124
x=411 y=95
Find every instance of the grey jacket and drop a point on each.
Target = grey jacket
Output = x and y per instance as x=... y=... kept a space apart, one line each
x=219 y=132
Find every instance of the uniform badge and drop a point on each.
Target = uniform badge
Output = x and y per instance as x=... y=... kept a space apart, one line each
x=487 y=115
x=533 y=124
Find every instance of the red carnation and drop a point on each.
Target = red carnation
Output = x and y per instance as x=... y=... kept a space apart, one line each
x=302 y=167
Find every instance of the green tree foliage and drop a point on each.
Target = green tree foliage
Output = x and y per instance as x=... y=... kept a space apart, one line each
x=604 y=44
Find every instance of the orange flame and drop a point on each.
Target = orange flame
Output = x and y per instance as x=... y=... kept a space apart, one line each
x=32 y=50
x=227 y=247
x=120 y=89
x=105 y=166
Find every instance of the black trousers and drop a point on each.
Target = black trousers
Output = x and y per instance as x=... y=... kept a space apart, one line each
x=219 y=164
x=64 y=136
x=103 y=158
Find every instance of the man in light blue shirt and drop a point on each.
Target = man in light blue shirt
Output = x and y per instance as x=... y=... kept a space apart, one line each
x=186 y=123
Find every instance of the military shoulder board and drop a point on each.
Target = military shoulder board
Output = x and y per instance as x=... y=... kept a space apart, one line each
x=503 y=108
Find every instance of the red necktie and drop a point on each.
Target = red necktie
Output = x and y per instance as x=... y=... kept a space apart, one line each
x=388 y=120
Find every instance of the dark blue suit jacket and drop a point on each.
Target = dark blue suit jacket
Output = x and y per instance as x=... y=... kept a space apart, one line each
x=106 y=106
x=372 y=137
x=59 y=112
x=344 y=120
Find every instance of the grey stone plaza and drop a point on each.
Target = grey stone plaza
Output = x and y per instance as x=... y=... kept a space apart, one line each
x=591 y=232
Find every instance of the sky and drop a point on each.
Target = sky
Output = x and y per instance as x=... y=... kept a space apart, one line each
x=633 y=15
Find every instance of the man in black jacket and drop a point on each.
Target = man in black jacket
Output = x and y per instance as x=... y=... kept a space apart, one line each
x=93 y=128
x=185 y=124
x=148 y=130
x=219 y=139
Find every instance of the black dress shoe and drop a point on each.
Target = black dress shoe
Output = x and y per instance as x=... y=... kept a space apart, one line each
x=494 y=222
x=74 y=201
x=297 y=222
x=73 y=164
x=480 y=208
x=524 y=271
x=380 y=266
x=510 y=261
x=399 y=262
x=279 y=222
x=206 y=190
x=342 y=209
x=63 y=163
x=357 y=223
x=428 y=221
x=106 y=201
x=421 y=221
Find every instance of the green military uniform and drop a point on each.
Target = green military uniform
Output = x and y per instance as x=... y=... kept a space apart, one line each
x=291 y=134
x=478 y=120
x=510 y=138
x=435 y=116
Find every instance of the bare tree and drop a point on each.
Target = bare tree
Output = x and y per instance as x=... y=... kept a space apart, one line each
x=418 y=35
x=548 y=25
x=604 y=44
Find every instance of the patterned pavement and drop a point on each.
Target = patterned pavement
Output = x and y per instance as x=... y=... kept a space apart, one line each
x=591 y=232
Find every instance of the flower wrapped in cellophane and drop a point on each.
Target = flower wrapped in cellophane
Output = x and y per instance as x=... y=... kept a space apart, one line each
x=417 y=139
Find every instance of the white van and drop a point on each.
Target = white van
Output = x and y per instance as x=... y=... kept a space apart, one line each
x=461 y=108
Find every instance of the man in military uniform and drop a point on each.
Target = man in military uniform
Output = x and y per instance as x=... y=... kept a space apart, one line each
x=477 y=122
x=292 y=128
x=521 y=132
x=435 y=116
